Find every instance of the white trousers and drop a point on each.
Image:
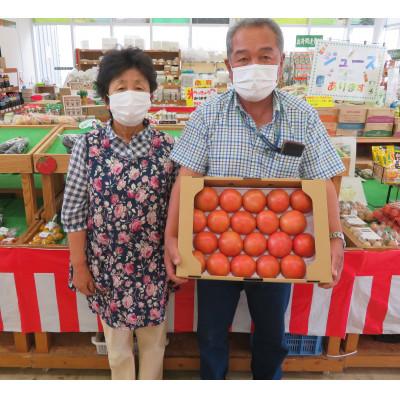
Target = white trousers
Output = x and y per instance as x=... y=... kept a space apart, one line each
x=151 y=343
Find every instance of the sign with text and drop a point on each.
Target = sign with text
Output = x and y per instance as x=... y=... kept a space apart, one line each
x=346 y=71
x=320 y=101
x=307 y=40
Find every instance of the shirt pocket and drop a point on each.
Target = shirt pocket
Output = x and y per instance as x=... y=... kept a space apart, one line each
x=285 y=166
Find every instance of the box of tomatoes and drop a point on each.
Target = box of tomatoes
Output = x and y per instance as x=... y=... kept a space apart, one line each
x=271 y=230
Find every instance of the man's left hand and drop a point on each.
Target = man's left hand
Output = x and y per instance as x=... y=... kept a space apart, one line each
x=337 y=257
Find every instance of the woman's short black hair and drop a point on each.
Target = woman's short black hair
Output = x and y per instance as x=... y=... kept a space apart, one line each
x=116 y=62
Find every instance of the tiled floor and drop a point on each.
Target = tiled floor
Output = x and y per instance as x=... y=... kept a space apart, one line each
x=359 y=373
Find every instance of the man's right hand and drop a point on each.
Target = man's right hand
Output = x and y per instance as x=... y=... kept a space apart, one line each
x=83 y=280
x=171 y=259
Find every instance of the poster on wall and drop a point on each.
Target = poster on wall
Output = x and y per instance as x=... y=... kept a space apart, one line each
x=346 y=71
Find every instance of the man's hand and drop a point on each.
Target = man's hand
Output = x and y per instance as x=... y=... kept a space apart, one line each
x=171 y=259
x=83 y=280
x=337 y=257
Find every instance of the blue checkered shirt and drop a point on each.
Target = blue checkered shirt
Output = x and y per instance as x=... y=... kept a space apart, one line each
x=221 y=139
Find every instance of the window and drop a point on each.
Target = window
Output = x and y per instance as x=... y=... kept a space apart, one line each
x=93 y=33
x=209 y=37
x=391 y=38
x=361 y=34
x=170 y=33
x=289 y=36
x=53 y=48
x=141 y=31
x=330 y=33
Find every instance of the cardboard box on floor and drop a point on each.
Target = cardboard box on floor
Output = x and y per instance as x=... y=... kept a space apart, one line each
x=318 y=271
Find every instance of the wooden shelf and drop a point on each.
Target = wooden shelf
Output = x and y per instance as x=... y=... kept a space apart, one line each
x=9 y=89
x=389 y=139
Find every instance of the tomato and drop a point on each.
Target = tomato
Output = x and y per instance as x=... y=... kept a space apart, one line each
x=218 y=264
x=268 y=267
x=230 y=243
x=255 y=244
x=304 y=245
x=200 y=256
x=279 y=244
x=293 y=222
x=394 y=212
x=230 y=200
x=267 y=222
x=206 y=200
x=243 y=266
x=254 y=201
x=293 y=267
x=278 y=200
x=218 y=221
x=300 y=201
x=199 y=221
x=206 y=242
x=243 y=222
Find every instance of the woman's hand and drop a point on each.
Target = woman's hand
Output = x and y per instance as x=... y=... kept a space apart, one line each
x=171 y=259
x=83 y=280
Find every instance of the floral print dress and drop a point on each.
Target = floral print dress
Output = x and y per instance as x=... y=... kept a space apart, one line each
x=127 y=211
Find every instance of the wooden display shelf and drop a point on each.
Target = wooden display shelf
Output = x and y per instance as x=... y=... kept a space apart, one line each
x=22 y=163
x=353 y=241
x=9 y=89
x=75 y=351
x=372 y=140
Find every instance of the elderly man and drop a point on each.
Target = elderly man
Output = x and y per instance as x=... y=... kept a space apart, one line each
x=252 y=130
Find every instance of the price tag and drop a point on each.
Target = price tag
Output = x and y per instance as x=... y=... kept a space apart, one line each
x=44 y=235
x=320 y=101
x=355 y=221
x=369 y=234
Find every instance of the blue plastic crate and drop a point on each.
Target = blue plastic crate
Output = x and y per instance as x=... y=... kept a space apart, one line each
x=299 y=345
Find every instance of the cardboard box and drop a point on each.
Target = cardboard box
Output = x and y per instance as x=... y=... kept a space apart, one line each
x=352 y=114
x=380 y=115
x=318 y=267
x=348 y=132
x=331 y=128
x=389 y=176
x=328 y=115
x=2 y=63
x=378 y=130
x=396 y=127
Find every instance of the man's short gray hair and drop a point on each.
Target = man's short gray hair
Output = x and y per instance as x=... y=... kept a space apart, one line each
x=251 y=22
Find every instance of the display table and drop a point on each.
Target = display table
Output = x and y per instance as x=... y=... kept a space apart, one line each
x=34 y=298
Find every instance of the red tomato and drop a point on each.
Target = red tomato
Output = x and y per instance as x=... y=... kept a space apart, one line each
x=218 y=221
x=243 y=222
x=254 y=201
x=201 y=258
x=300 y=201
x=230 y=200
x=268 y=267
x=293 y=267
x=230 y=243
x=278 y=200
x=279 y=244
x=218 y=264
x=394 y=212
x=304 y=245
x=293 y=222
x=255 y=244
x=243 y=266
x=199 y=221
x=206 y=200
x=267 y=222
x=206 y=242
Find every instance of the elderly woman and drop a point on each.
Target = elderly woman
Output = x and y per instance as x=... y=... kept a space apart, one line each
x=115 y=207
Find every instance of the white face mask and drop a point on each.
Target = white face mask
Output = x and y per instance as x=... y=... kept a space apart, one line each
x=255 y=82
x=130 y=107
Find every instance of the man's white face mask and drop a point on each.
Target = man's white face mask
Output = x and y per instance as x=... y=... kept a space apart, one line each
x=255 y=82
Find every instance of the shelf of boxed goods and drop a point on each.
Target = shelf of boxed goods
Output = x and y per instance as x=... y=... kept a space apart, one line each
x=9 y=89
x=364 y=154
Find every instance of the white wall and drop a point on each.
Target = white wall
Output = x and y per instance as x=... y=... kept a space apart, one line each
x=16 y=47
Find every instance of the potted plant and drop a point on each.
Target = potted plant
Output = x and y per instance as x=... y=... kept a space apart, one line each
x=83 y=95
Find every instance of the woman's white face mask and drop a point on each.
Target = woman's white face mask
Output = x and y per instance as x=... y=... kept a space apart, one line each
x=129 y=108
x=255 y=82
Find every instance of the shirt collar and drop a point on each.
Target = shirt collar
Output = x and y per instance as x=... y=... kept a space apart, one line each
x=143 y=135
x=276 y=104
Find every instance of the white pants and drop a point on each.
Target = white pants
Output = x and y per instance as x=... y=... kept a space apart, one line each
x=151 y=343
